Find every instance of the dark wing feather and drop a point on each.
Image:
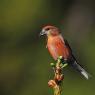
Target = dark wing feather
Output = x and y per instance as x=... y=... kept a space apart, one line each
x=75 y=64
x=67 y=44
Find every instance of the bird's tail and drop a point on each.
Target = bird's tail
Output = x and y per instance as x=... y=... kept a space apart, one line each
x=80 y=69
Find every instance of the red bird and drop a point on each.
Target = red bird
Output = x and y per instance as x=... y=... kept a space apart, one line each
x=58 y=46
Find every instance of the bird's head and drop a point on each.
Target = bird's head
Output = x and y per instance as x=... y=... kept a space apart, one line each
x=50 y=31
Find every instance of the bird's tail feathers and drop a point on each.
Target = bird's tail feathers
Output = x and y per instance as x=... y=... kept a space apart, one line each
x=81 y=70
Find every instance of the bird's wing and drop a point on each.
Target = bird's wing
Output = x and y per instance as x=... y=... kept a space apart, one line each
x=67 y=44
x=76 y=65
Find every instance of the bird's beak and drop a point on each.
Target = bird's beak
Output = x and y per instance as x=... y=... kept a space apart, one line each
x=43 y=32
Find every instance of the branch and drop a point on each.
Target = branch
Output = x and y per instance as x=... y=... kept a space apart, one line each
x=57 y=81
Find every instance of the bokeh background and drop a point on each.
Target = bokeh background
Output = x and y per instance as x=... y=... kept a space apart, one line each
x=24 y=60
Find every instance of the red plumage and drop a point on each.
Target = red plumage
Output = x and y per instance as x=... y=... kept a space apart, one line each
x=57 y=47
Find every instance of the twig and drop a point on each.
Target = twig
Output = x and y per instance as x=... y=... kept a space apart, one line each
x=57 y=81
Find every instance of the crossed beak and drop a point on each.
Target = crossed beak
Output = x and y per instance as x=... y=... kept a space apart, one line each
x=43 y=32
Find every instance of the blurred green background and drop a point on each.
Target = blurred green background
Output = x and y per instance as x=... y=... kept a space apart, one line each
x=24 y=60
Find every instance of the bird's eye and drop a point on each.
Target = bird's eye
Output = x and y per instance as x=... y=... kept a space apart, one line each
x=47 y=29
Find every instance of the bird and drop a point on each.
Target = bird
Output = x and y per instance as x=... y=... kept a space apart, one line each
x=58 y=46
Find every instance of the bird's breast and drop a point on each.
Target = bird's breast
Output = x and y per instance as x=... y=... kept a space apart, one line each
x=56 y=47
